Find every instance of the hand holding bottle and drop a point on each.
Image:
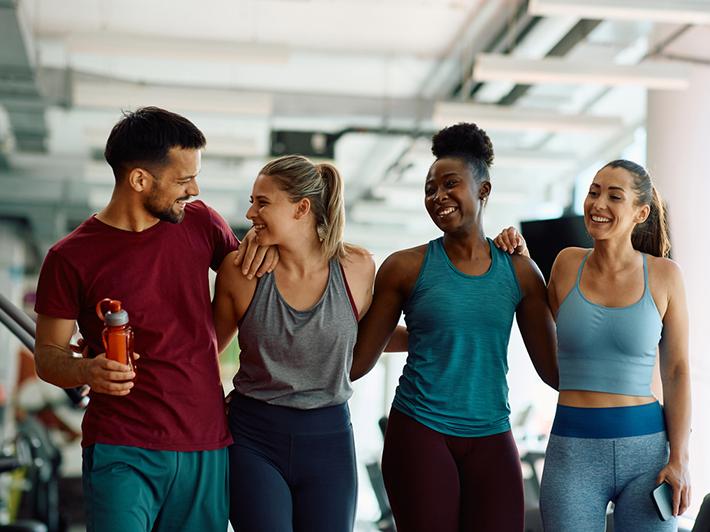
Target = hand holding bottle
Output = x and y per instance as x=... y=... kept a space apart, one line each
x=108 y=376
x=112 y=372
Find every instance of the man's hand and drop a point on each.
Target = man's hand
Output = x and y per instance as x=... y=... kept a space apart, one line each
x=255 y=259
x=108 y=376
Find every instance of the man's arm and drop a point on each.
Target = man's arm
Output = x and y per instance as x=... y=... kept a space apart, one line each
x=254 y=259
x=56 y=364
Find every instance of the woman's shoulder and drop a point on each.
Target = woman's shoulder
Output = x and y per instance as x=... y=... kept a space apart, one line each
x=356 y=255
x=664 y=270
x=405 y=259
x=230 y=276
x=567 y=264
x=570 y=258
x=358 y=261
x=572 y=254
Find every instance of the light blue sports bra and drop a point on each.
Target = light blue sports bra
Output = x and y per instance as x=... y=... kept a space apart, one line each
x=607 y=349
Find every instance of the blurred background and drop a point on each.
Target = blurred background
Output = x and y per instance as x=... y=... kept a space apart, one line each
x=561 y=86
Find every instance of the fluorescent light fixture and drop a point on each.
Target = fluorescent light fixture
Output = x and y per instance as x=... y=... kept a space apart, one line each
x=667 y=11
x=126 y=95
x=534 y=159
x=202 y=50
x=517 y=119
x=535 y=44
x=649 y=74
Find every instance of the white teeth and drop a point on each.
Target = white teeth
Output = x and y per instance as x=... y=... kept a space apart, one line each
x=444 y=212
x=600 y=219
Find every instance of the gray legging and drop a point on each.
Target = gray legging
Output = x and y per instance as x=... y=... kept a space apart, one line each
x=582 y=475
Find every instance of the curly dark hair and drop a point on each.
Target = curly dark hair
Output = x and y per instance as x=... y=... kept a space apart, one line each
x=468 y=142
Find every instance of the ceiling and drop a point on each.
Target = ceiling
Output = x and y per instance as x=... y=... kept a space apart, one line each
x=372 y=74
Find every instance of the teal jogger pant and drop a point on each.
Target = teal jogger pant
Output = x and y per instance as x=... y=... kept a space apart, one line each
x=130 y=489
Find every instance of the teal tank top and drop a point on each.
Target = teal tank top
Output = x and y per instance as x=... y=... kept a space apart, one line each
x=607 y=349
x=454 y=380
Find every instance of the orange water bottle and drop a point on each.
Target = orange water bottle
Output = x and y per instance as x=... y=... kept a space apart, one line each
x=117 y=334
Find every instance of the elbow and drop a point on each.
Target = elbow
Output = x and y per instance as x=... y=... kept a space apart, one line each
x=40 y=365
x=677 y=375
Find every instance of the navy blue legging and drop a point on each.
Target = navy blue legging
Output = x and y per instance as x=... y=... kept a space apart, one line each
x=446 y=483
x=290 y=469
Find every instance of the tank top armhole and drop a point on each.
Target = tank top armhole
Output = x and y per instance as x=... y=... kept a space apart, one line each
x=506 y=258
x=579 y=270
x=258 y=289
x=350 y=294
x=575 y=286
x=646 y=287
x=420 y=275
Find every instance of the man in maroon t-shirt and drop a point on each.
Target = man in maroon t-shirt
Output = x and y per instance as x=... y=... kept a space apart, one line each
x=154 y=439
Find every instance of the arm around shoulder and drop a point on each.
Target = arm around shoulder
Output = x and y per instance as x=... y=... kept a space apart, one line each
x=379 y=323
x=535 y=320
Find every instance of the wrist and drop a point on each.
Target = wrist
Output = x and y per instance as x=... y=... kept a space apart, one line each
x=83 y=370
x=679 y=457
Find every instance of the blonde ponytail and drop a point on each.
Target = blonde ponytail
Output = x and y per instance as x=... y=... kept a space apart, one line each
x=323 y=186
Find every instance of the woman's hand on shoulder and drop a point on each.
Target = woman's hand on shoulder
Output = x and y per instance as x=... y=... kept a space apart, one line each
x=511 y=241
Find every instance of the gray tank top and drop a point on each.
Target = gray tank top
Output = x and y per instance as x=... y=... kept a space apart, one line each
x=298 y=358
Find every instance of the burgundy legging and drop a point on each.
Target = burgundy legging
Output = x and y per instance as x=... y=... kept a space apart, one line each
x=440 y=483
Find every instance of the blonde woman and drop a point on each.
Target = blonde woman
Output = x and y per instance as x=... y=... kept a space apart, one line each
x=293 y=460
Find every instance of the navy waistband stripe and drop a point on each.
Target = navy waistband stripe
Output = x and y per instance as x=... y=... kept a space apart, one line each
x=614 y=422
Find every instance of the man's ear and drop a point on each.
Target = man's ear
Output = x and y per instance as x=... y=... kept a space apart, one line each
x=138 y=179
x=642 y=214
x=303 y=207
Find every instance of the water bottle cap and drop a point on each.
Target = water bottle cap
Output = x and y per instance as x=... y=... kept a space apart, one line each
x=115 y=319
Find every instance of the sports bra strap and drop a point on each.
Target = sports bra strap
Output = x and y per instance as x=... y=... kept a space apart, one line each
x=646 y=288
x=350 y=294
x=581 y=267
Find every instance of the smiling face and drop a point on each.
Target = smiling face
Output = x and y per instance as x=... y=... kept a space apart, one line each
x=452 y=197
x=173 y=185
x=274 y=215
x=610 y=208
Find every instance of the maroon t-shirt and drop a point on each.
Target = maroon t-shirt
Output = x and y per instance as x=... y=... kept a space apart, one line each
x=160 y=277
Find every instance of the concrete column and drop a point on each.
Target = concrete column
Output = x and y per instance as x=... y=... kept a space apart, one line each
x=679 y=162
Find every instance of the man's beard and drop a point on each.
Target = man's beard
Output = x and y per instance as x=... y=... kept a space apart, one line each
x=165 y=214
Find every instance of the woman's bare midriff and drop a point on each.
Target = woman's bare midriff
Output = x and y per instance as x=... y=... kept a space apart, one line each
x=585 y=399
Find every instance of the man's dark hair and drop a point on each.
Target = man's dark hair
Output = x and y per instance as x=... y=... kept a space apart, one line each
x=145 y=136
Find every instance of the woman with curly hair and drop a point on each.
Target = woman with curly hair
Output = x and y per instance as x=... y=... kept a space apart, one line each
x=450 y=462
